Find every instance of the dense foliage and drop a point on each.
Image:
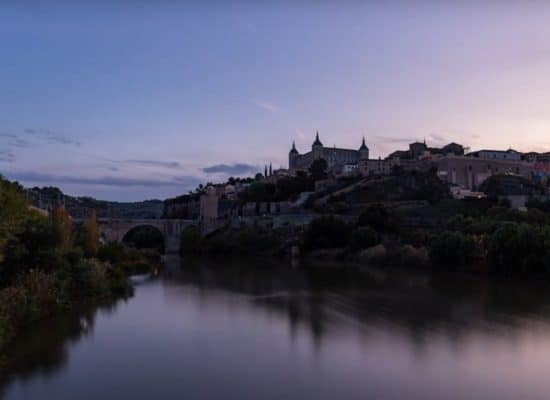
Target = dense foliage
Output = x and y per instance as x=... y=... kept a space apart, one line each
x=47 y=263
x=285 y=189
x=234 y=242
x=327 y=232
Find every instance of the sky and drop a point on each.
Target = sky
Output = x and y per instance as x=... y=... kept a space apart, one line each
x=139 y=100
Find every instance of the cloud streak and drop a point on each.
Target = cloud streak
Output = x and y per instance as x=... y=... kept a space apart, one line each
x=264 y=105
x=388 y=139
x=7 y=156
x=12 y=140
x=52 y=137
x=155 y=163
x=42 y=178
x=233 y=169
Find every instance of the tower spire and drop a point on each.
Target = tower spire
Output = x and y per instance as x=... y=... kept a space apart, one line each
x=317 y=140
x=363 y=145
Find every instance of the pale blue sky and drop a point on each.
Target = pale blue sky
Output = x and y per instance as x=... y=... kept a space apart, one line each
x=135 y=101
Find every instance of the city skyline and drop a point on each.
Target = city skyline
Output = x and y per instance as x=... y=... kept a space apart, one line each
x=130 y=103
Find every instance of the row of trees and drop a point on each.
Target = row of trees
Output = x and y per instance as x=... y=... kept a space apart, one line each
x=47 y=263
x=504 y=247
x=502 y=241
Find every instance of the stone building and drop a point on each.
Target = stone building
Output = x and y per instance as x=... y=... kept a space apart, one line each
x=471 y=172
x=497 y=154
x=335 y=157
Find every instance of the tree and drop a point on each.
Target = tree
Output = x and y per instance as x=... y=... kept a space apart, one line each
x=91 y=236
x=13 y=209
x=519 y=249
x=63 y=222
x=363 y=238
x=318 y=169
x=375 y=216
x=327 y=232
x=191 y=242
x=452 y=249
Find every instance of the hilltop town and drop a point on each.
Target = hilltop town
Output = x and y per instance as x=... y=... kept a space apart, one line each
x=340 y=181
x=344 y=181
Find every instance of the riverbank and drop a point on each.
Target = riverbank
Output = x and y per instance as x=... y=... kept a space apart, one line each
x=37 y=295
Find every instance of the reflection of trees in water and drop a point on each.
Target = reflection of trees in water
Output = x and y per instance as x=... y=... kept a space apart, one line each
x=417 y=304
x=44 y=348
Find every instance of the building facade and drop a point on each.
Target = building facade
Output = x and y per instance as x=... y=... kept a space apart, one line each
x=471 y=172
x=335 y=157
x=497 y=154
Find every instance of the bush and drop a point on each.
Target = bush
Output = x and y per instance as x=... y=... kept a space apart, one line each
x=363 y=237
x=375 y=255
x=191 y=242
x=409 y=256
x=519 y=249
x=113 y=252
x=243 y=242
x=327 y=232
x=375 y=216
x=452 y=249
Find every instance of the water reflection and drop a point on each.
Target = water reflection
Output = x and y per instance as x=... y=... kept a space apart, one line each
x=416 y=303
x=251 y=330
x=44 y=349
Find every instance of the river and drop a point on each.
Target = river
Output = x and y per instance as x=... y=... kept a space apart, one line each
x=275 y=332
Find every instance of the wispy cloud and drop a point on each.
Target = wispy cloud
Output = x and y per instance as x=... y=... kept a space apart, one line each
x=52 y=137
x=12 y=140
x=267 y=106
x=42 y=178
x=233 y=169
x=301 y=134
x=438 y=139
x=389 y=139
x=7 y=156
x=155 y=163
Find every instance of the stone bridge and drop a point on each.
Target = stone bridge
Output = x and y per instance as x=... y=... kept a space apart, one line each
x=114 y=229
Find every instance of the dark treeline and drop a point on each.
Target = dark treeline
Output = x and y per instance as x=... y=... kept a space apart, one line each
x=47 y=264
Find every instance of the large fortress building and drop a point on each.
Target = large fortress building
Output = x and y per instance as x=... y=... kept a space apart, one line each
x=332 y=155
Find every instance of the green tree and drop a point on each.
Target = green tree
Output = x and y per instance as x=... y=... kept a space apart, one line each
x=519 y=249
x=377 y=217
x=452 y=249
x=318 y=169
x=91 y=236
x=191 y=242
x=363 y=237
x=327 y=232
x=13 y=210
x=63 y=222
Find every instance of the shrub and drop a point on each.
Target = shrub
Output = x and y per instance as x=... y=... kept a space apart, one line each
x=327 y=232
x=375 y=216
x=410 y=256
x=191 y=242
x=363 y=237
x=375 y=255
x=113 y=252
x=516 y=249
x=452 y=249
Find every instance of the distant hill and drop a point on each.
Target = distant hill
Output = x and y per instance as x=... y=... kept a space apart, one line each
x=81 y=207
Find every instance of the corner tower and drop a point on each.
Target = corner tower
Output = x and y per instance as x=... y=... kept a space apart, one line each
x=317 y=147
x=363 y=151
x=292 y=156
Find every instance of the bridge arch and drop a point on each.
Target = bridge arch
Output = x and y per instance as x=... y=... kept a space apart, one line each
x=145 y=236
x=114 y=230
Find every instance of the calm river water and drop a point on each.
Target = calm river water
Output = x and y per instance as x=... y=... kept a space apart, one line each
x=253 y=332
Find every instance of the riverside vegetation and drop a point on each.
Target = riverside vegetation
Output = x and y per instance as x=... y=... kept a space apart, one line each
x=47 y=264
x=484 y=236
